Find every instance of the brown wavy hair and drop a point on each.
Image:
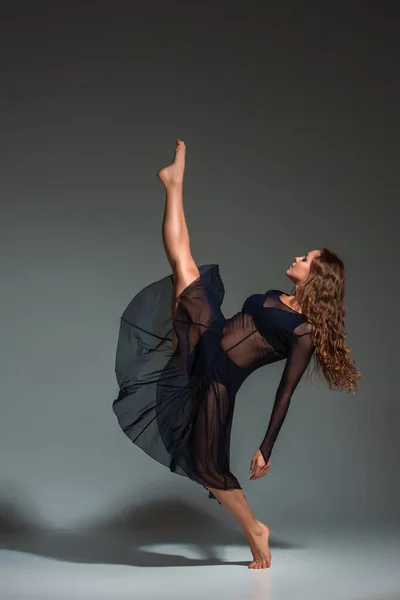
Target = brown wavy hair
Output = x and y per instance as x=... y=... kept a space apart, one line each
x=321 y=297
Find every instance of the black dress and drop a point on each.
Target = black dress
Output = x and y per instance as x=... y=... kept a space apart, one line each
x=178 y=406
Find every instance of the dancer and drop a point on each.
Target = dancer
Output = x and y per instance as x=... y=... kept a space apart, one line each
x=180 y=362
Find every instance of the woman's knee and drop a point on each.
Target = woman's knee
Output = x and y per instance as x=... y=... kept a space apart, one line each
x=185 y=272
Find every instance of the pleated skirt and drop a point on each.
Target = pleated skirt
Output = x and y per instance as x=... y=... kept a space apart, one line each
x=177 y=406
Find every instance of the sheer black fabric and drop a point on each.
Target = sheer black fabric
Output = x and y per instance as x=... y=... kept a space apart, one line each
x=178 y=406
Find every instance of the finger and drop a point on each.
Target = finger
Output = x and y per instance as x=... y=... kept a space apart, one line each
x=257 y=472
x=263 y=470
x=254 y=475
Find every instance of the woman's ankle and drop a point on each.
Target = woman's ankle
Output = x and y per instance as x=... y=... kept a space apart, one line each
x=252 y=527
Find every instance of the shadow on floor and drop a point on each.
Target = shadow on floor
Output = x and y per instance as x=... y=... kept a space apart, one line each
x=120 y=540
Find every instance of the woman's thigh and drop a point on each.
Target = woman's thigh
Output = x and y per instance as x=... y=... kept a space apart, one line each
x=186 y=272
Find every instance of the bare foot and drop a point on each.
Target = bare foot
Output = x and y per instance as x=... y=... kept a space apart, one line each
x=259 y=545
x=173 y=174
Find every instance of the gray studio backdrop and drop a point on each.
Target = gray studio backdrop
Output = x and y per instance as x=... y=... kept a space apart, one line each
x=290 y=117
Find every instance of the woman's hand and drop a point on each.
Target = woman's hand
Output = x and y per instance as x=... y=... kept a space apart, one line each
x=258 y=468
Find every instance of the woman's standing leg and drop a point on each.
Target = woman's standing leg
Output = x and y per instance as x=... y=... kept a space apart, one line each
x=256 y=532
x=210 y=451
x=175 y=234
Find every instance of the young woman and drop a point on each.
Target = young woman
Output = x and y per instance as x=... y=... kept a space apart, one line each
x=180 y=364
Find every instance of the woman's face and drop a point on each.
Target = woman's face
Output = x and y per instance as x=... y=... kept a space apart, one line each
x=299 y=270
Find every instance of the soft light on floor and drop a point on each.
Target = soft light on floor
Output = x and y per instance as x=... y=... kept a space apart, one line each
x=346 y=565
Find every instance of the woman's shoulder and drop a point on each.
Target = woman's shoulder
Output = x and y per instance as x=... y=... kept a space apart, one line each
x=304 y=328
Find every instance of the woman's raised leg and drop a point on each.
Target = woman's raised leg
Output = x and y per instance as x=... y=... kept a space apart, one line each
x=175 y=233
x=177 y=247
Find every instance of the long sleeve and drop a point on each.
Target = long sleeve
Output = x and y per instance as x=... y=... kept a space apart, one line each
x=299 y=357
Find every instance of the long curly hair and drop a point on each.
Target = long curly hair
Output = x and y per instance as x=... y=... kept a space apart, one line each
x=321 y=297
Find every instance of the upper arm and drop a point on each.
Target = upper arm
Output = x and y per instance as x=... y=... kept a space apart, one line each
x=299 y=356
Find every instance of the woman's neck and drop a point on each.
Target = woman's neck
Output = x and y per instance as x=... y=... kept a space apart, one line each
x=291 y=302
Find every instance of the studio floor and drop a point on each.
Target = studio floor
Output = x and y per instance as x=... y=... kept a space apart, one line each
x=347 y=564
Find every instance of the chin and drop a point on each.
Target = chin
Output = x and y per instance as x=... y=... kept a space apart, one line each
x=289 y=276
